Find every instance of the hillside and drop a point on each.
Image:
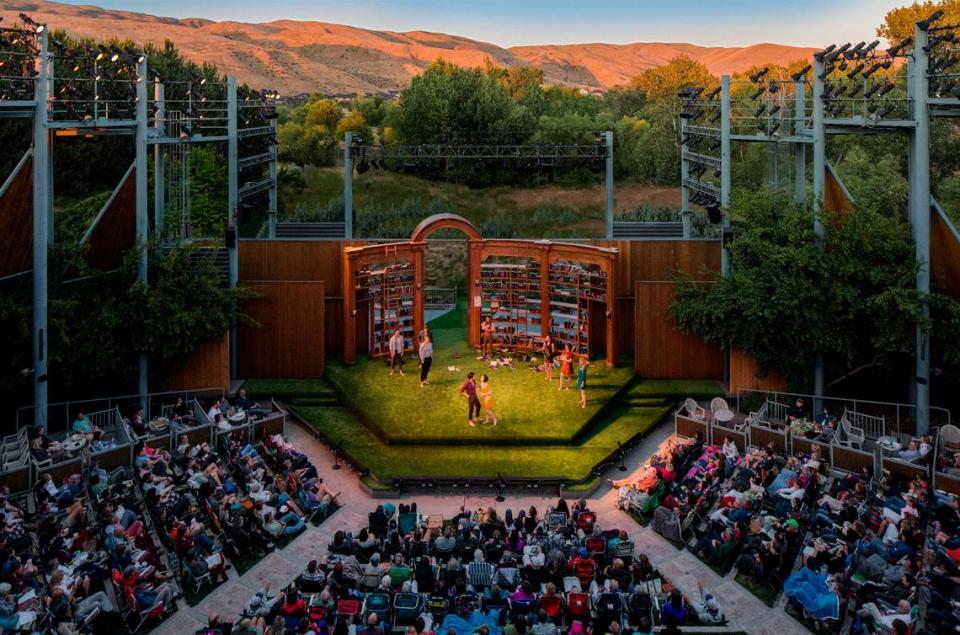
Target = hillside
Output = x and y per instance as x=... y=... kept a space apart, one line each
x=298 y=57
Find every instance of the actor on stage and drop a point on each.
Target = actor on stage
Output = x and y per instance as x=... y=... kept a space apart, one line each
x=582 y=381
x=546 y=349
x=469 y=390
x=486 y=393
x=566 y=368
x=426 y=359
x=486 y=336
x=396 y=351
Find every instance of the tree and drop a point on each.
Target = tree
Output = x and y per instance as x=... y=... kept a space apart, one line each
x=208 y=192
x=786 y=300
x=306 y=145
x=898 y=23
x=661 y=84
x=354 y=122
x=323 y=112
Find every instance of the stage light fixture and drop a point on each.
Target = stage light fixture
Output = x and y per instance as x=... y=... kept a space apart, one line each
x=800 y=74
x=822 y=54
x=855 y=71
x=713 y=93
x=886 y=89
x=933 y=17
x=871 y=91
x=830 y=57
x=873 y=69
x=760 y=73
x=870 y=47
x=762 y=109
x=855 y=51
x=756 y=94
x=774 y=128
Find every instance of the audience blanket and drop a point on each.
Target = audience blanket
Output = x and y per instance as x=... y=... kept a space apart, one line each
x=811 y=591
x=781 y=481
x=477 y=619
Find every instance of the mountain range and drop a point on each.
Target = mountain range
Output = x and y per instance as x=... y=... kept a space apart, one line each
x=302 y=56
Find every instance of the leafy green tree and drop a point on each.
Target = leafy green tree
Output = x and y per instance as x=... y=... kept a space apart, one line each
x=208 y=192
x=661 y=84
x=876 y=181
x=786 y=300
x=374 y=109
x=305 y=144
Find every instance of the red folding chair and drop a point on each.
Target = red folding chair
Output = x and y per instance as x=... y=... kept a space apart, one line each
x=349 y=607
x=586 y=522
x=578 y=605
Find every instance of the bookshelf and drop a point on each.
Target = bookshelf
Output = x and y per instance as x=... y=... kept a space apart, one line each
x=389 y=291
x=574 y=286
x=510 y=290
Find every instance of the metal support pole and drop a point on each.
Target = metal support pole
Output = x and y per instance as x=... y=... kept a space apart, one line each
x=348 y=185
x=684 y=174
x=920 y=218
x=725 y=160
x=272 y=211
x=233 y=203
x=159 y=200
x=799 y=149
x=41 y=235
x=608 y=184
x=819 y=188
x=143 y=218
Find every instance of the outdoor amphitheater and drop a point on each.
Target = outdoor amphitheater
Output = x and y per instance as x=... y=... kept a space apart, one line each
x=652 y=442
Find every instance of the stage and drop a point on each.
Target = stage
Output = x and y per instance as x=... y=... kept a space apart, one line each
x=393 y=428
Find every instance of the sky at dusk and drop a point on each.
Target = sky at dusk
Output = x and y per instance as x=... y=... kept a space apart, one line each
x=517 y=22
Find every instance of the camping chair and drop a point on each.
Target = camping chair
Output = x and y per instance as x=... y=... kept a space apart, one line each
x=571 y=583
x=624 y=550
x=578 y=606
x=407 y=607
x=135 y=614
x=438 y=606
x=586 y=521
x=950 y=437
x=435 y=522
x=609 y=607
x=694 y=409
x=556 y=520
x=370 y=581
x=639 y=606
x=552 y=605
x=585 y=570
x=522 y=607
x=596 y=546
x=466 y=604
x=349 y=608
x=378 y=603
x=499 y=604
x=407 y=523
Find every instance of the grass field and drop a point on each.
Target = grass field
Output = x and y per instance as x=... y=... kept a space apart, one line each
x=528 y=408
x=542 y=432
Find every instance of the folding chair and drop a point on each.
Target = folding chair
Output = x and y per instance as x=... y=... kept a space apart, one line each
x=438 y=606
x=378 y=603
x=407 y=523
x=578 y=606
x=624 y=550
x=370 y=581
x=138 y=615
x=407 y=607
x=639 y=606
x=522 y=607
x=191 y=576
x=556 y=520
x=435 y=522
x=466 y=604
x=349 y=608
x=595 y=546
x=552 y=605
x=586 y=521
x=571 y=583
x=609 y=607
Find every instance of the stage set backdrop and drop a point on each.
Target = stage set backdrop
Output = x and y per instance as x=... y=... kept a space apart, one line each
x=336 y=297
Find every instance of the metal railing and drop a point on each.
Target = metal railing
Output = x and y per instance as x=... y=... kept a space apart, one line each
x=439 y=297
x=899 y=418
x=61 y=414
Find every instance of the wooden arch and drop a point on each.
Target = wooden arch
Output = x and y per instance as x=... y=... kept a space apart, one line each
x=435 y=223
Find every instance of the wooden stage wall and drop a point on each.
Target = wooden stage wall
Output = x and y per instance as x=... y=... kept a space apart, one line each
x=207 y=367
x=289 y=341
x=661 y=350
x=290 y=260
x=16 y=222
x=745 y=375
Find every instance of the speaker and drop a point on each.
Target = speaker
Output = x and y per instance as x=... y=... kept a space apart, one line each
x=230 y=238
x=714 y=214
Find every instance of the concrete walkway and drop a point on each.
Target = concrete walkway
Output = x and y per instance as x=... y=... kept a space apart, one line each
x=743 y=609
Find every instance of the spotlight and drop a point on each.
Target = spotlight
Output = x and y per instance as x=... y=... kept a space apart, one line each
x=870 y=47
x=886 y=89
x=873 y=69
x=886 y=111
x=762 y=109
x=822 y=54
x=713 y=93
x=896 y=49
x=837 y=52
x=773 y=87
x=774 y=110
x=923 y=24
x=774 y=128
x=760 y=73
x=799 y=74
x=871 y=91
x=758 y=92
x=713 y=213
x=855 y=51
x=856 y=69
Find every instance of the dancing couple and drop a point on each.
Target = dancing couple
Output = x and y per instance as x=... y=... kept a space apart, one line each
x=470 y=390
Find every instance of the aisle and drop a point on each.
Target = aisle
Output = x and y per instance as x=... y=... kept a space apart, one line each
x=745 y=611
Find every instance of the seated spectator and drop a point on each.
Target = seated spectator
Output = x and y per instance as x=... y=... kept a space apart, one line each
x=82 y=424
x=251 y=407
x=911 y=453
x=214 y=410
